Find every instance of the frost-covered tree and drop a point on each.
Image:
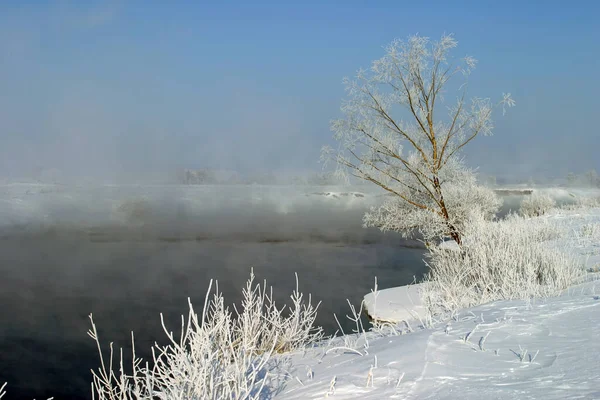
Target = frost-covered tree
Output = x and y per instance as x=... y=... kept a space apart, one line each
x=592 y=178
x=398 y=133
x=199 y=177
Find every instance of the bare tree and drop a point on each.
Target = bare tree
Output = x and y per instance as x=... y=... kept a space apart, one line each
x=394 y=135
x=592 y=177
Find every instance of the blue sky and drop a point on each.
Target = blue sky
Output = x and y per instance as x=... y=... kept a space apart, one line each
x=100 y=88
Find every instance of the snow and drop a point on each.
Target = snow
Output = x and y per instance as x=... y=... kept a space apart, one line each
x=544 y=348
x=397 y=304
x=557 y=339
x=541 y=348
x=584 y=240
x=450 y=245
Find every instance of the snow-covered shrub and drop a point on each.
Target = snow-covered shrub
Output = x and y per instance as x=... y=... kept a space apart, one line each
x=536 y=205
x=505 y=259
x=582 y=202
x=221 y=355
x=591 y=230
x=588 y=234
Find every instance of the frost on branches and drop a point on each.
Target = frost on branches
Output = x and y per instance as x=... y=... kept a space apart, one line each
x=461 y=194
x=398 y=133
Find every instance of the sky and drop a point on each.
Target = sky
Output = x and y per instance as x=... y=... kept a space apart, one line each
x=116 y=89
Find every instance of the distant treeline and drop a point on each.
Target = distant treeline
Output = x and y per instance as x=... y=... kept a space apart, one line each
x=207 y=176
x=218 y=177
x=586 y=179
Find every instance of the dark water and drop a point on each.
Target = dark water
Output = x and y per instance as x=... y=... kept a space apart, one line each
x=52 y=276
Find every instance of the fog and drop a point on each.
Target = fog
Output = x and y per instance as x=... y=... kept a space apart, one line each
x=104 y=104
x=112 y=92
x=128 y=253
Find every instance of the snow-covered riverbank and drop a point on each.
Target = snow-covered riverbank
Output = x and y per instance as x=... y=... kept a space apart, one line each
x=542 y=348
x=503 y=349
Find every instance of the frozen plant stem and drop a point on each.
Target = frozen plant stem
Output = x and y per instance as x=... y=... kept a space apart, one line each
x=400 y=380
x=370 y=377
x=482 y=341
x=468 y=335
x=331 y=390
x=532 y=359
x=220 y=354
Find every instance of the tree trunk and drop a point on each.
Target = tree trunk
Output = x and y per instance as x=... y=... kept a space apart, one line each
x=453 y=232
x=455 y=235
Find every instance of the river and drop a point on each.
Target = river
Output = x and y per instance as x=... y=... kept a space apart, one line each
x=128 y=253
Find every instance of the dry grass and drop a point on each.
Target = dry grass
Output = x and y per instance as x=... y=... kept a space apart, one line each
x=221 y=355
x=501 y=260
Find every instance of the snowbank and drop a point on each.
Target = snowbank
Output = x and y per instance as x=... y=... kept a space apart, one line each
x=404 y=303
x=532 y=349
x=396 y=304
x=504 y=350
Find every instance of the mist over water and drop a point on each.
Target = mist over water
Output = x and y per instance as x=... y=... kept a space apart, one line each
x=105 y=92
x=128 y=253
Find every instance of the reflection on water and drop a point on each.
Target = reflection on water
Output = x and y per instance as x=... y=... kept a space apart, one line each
x=54 y=274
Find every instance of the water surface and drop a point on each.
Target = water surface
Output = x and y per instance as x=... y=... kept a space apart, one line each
x=127 y=254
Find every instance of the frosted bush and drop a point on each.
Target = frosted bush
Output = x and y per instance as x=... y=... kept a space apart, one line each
x=222 y=355
x=583 y=202
x=536 y=205
x=505 y=259
x=588 y=235
x=591 y=230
